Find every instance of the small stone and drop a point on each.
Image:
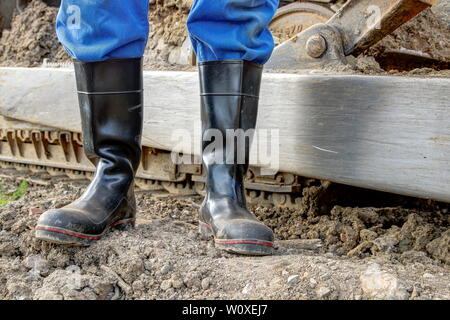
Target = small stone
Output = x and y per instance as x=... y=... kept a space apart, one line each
x=165 y=269
x=177 y=284
x=312 y=283
x=378 y=284
x=293 y=280
x=215 y=295
x=439 y=247
x=323 y=292
x=36 y=264
x=148 y=265
x=205 y=283
x=166 y=285
x=428 y=275
x=415 y=293
x=248 y=288
x=138 y=285
x=35 y=211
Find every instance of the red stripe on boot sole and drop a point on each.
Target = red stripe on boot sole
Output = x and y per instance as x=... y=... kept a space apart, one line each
x=80 y=235
x=262 y=243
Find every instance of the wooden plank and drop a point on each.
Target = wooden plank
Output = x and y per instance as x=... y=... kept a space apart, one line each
x=384 y=133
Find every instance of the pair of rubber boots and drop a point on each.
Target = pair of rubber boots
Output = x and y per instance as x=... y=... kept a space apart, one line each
x=110 y=95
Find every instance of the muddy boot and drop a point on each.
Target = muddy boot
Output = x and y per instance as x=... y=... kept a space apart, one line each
x=229 y=100
x=110 y=98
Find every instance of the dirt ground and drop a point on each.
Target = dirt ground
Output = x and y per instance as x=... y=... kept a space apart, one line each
x=32 y=38
x=389 y=247
x=342 y=243
x=425 y=33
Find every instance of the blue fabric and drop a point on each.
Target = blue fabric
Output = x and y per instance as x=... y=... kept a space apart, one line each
x=232 y=29
x=96 y=30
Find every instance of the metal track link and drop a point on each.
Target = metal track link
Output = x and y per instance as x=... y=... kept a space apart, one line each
x=45 y=156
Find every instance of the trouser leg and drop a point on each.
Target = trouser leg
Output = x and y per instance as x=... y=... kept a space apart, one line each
x=97 y=30
x=232 y=29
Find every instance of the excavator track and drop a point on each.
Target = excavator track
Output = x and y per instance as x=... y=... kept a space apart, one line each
x=50 y=152
x=45 y=156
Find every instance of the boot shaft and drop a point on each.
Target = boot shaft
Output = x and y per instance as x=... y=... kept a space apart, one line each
x=229 y=106
x=110 y=95
x=110 y=99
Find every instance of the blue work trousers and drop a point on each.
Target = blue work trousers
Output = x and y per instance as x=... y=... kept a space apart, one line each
x=97 y=30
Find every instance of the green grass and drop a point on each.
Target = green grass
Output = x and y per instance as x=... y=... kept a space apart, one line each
x=5 y=198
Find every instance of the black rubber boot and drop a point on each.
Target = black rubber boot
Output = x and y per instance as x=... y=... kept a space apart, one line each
x=110 y=98
x=229 y=100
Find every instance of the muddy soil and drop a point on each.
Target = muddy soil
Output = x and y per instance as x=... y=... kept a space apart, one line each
x=168 y=35
x=365 y=245
x=442 y=10
x=342 y=243
x=32 y=36
x=426 y=33
x=32 y=39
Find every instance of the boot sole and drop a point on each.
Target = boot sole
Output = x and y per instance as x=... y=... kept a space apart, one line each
x=250 y=247
x=69 y=237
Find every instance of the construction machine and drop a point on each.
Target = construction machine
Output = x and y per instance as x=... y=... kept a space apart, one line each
x=302 y=14
x=384 y=133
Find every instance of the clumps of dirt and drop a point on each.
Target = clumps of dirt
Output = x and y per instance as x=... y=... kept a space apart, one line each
x=442 y=11
x=425 y=34
x=419 y=48
x=357 y=222
x=164 y=257
x=121 y=266
x=32 y=38
x=168 y=42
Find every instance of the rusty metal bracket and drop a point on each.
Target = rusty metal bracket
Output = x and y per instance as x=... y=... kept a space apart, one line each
x=358 y=25
x=315 y=48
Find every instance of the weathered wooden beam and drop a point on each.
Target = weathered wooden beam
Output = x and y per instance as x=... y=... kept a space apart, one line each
x=384 y=133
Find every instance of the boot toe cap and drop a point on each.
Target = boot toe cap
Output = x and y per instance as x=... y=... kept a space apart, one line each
x=245 y=237
x=65 y=219
x=244 y=229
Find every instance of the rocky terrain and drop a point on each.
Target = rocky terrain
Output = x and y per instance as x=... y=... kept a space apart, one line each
x=324 y=251
x=340 y=243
